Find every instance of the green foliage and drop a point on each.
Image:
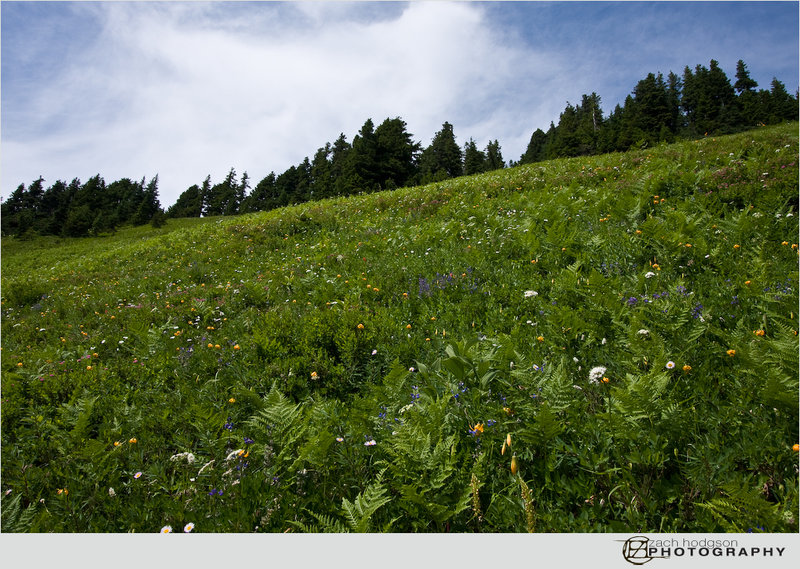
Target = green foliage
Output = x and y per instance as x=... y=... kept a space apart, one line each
x=623 y=327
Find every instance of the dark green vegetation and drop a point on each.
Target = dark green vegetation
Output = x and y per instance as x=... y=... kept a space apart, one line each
x=703 y=102
x=358 y=364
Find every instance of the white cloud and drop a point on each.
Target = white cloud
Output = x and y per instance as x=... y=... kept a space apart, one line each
x=187 y=90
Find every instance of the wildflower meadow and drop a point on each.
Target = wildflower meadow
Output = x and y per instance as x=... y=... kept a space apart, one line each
x=595 y=344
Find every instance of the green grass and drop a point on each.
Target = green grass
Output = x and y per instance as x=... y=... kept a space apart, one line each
x=409 y=318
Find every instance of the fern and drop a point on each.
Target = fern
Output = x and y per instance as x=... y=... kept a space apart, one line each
x=15 y=519
x=358 y=513
x=742 y=508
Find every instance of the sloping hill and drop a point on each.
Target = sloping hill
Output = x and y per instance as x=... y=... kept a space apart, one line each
x=627 y=321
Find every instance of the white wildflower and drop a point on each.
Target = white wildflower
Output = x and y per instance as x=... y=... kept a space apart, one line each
x=649 y=274
x=234 y=453
x=111 y=492
x=596 y=374
x=644 y=332
x=187 y=455
x=530 y=293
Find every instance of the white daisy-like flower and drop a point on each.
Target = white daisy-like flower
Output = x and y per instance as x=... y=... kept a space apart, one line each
x=166 y=529
x=370 y=443
x=530 y=293
x=670 y=364
x=188 y=527
x=596 y=374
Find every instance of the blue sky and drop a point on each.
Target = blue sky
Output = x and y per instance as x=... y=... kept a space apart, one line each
x=184 y=90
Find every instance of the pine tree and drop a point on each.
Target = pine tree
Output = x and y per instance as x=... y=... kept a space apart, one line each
x=442 y=159
x=263 y=197
x=494 y=158
x=537 y=148
x=395 y=154
x=474 y=159
x=360 y=171
x=782 y=106
x=188 y=204
x=743 y=81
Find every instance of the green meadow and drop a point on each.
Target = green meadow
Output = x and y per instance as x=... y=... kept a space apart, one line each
x=595 y=344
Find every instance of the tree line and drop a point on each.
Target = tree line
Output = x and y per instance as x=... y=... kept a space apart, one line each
x=701 y=102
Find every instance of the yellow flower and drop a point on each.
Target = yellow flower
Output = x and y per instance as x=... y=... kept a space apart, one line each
x=231 y=400
x=216 y=346
x=117 y=443
x=89 y=367
x=796 y=447
x=133 y=441
x=747 y=282
x=540 y=338
x=514 y=465
x=606 y=380
x=687 y=368
x=731 y=353
x=759 y=332
x=408 y=326
x=314 y=375
x=360 y=326
x=784 y=242
x=736 y=246
x=19 y=364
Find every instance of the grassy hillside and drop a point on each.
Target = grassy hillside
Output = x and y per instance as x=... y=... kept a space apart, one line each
x=597 y=344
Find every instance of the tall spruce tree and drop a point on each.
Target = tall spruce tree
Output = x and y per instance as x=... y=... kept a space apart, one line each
x=442 y=159
x=395 y=154
x=474 y=159
x=494 y=157
x=188 y=204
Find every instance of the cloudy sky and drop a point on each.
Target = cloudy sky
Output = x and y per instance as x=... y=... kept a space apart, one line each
x=190 y=89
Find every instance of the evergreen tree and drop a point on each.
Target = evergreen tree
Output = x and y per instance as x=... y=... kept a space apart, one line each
x=321 y=174
x=395 y=154
x=188 y=204
x=709 y=100
x=79 y=221
x=442 y=159
x=566 y=141
x=494 y=158
x=222 y=198
x=743 y=81
x=782 y=106
x=474 y=159
x=149 y=204
x=339 y=157
x=360 y=170
x=537 y=148
x=263 y=196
